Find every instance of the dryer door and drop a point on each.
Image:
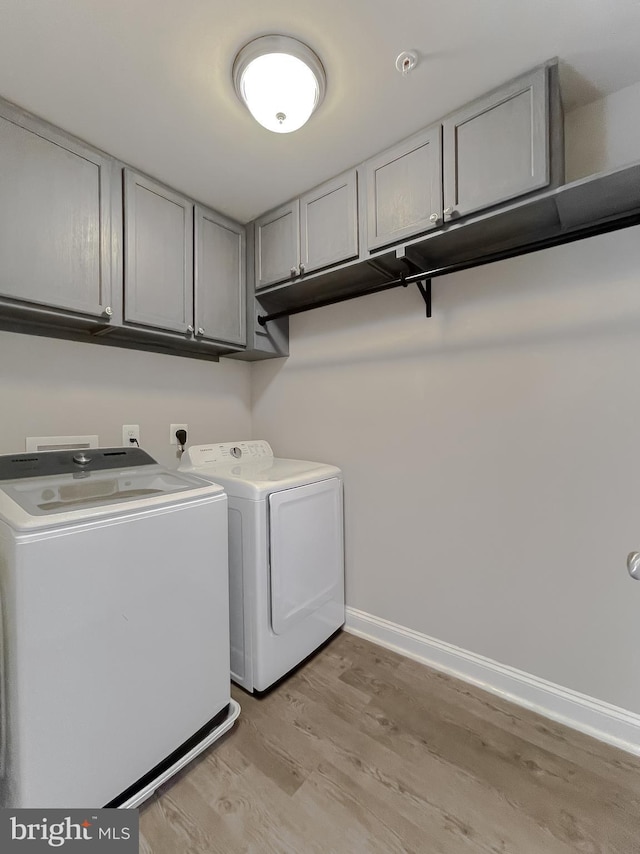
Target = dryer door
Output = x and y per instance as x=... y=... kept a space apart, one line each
x=306 y=551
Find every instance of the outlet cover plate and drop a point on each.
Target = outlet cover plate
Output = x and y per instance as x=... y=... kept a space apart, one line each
x=130 y=432
x=172 y=432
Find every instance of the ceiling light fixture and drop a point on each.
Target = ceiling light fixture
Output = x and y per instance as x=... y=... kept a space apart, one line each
x=281 y=81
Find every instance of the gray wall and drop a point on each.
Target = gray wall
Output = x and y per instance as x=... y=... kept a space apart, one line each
x=54 y=387
x=491 y=456
x=604 y=133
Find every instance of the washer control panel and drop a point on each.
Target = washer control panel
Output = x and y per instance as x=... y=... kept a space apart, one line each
x=229 y=452
x=79 y=461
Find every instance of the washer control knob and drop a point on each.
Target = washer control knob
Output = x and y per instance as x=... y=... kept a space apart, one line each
x=633 y=565
x=81 y=459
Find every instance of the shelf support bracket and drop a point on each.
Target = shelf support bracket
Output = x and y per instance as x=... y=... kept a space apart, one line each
x=424 y=286
x=425 y=290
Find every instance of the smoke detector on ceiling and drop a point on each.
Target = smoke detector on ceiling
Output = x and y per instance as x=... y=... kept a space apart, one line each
x=406 y=62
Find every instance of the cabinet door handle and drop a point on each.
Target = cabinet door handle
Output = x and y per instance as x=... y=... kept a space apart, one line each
x=190 y=329
x=108 y=311
x=434 y=218
x=200 y=330
x=449 y=212
x=633 y=565
x=302 y=269
x=294 y=271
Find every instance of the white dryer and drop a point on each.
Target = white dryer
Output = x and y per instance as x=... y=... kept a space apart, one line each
x=286 y=555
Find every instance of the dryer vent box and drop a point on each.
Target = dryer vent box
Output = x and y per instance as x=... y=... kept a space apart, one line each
x=60 y=443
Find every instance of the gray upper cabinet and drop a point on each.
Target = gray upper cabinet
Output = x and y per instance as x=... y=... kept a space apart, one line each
x=55 y=218
x=497 y=148
x=277 y=237
x=329 y=223
x=75 y=226
x=307 y=234
x=220 y=281
x=404 y=189
x=158 y=255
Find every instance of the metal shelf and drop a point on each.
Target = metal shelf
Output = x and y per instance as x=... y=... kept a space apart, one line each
x=602 y=203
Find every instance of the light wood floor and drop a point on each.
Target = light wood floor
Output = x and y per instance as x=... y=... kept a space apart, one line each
x=362 y=751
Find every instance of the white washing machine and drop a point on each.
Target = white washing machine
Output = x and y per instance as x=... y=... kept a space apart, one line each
x=286 y=555
x=115 y=643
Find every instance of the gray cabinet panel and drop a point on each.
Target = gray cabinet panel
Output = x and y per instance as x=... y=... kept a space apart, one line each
x=329 y=223
x=55 y=220
x=498 y=147
x=220 y=281
x=278 y=244
x=404 y=189
x=263 y=342
x=158 y=255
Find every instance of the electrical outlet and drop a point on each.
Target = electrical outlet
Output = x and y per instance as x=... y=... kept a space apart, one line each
x=172 y=432
x=130 y=435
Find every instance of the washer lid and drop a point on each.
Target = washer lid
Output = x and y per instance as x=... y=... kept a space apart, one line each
x=31 y=503
x=253 y=475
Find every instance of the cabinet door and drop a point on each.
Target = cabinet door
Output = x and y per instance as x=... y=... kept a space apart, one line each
x=55 y=220
x=404 y=189
x=329 y=223
x=220 y=281
x=277 y=241
x=158 y=255
x=497 y=147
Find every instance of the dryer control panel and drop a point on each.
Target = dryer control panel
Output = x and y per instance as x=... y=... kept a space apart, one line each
x=228 y=452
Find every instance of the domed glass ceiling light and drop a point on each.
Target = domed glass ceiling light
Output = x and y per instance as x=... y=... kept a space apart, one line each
x=281 y=81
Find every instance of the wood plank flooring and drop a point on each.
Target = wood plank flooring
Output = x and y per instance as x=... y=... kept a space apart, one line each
x=362 y=751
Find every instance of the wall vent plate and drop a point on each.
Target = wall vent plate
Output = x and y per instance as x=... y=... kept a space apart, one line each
x=60 y=443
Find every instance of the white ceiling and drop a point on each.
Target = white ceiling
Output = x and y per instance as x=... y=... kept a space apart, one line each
x=150 y=80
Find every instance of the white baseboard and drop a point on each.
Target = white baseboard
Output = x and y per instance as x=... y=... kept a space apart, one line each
x=601 y=720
